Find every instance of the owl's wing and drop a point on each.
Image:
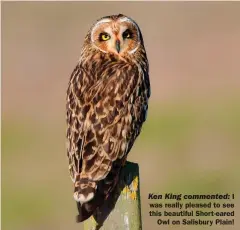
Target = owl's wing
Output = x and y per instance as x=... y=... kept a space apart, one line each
x=99 y=125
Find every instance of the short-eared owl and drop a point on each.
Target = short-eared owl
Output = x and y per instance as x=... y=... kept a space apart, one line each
x=107 y=102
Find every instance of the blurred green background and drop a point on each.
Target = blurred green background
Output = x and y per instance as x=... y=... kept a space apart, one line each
x=190 y=142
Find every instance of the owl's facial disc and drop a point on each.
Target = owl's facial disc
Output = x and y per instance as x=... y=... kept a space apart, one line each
x=118 y=37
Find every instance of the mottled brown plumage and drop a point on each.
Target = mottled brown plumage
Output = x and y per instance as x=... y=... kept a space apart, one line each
x=107 y=102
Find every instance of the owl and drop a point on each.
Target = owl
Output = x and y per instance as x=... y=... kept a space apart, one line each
x=107 y=103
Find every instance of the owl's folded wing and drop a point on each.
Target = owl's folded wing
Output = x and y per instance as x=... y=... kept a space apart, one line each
x=99 y=117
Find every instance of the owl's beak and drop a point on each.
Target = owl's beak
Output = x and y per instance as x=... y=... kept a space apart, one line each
x=118 y=45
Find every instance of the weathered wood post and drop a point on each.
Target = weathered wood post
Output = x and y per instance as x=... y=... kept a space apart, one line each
x=126 y=214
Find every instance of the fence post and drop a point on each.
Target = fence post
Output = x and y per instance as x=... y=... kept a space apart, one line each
x=124 y=209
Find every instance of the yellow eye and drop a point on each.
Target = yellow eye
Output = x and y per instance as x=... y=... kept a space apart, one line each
x=104 y=37
x=127 y=34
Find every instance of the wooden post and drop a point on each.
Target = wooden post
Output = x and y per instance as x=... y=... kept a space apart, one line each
x=122 y=212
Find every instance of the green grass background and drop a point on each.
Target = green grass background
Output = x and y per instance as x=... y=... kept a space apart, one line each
x=183 y=148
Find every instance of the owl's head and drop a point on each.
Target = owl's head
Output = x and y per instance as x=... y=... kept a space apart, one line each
x=116 y=34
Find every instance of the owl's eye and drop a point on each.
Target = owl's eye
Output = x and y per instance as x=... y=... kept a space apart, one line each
x=127 y=34
x=104 y=37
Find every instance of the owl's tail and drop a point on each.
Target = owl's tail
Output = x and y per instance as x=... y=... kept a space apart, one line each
x=102 y=193
x=85 y=195
x=85 y=210
x=84 y=190
x=91 y=195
